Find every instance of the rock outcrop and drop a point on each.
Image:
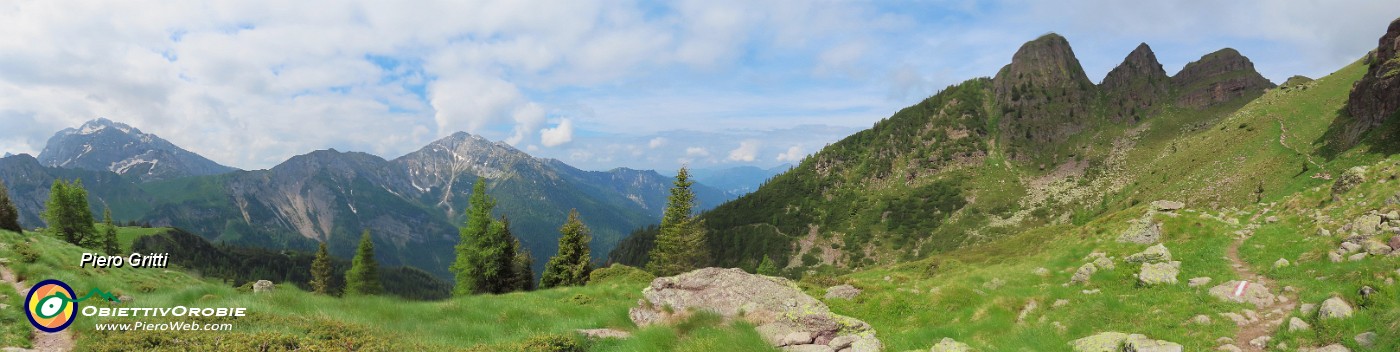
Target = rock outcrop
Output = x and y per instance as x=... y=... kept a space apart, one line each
x=1254 y=293
x=1045 y=95
x=262 y=286
x=1376 y=96
x=785 y=316
x=950 y=345
x=1117 y=342
x=1218 y=77
x=1136 y=86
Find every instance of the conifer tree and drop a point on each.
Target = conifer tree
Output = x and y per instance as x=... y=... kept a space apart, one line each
x=321 y=271
x=524 y=267
x=109 y=234
x=9 y=215
x=363 y=276
x=571 y=266
x=767 y=267
x=498 y=268
x=485 y=253
x=67 y=213
x=680 y=247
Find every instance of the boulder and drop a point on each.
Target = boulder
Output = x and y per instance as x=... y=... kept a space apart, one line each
x=262 y=286
x=1366 y=339
x=1198 y=281
x=808 y=348
x=1254 y=293
x=1324 y=233
x=1375 y=247
x=1307 y=308
x=1329 y=348
x=846 y=292
x=1229 y=348
x=1082 y=275
x=1105 y=263
x=1261 y=342
x=1334 y=308
x=1158 y=273
x=1334 y=256
x=1357 y=257
x=1394 y=243
x=1349 y=179
x=1117 y=341
x=1349 y=247
x=775 y=305
x=1281 y=263
x=1154 y=254
x=1295 y=324
x=1167 y=205
x=1142 y=231
x=1367 y=224
x=950 y=345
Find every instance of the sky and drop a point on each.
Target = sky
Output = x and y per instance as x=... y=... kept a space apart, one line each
x=597 y=84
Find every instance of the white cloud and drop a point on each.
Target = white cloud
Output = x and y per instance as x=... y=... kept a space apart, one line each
x=656 y=142
x=697 y=152
x=746 y=152
x=793 y=154
x=563 y=133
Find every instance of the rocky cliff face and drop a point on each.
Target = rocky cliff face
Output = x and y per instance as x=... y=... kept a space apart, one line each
x=103 y=145
x=1218 y=77
x=1376 y=97
x=1043 y=93
x=1135 y=86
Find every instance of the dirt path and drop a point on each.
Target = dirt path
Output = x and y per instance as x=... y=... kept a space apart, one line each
x=1272 y=315
x=43 y=341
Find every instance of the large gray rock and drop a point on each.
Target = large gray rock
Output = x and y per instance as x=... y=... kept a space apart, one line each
x=846 y=292
x=1082 y=275
x=1368 y=224
x=950 y=345
x=1167 y=205
x=1159 y=273
x=1117 y=341
x=1142 y=231
x=262 y=286
x=1329 y=348
x=1375 y=247
x=1334 y=308
x=1366 y=339
x=775 y=305
x=1154 y=254
x=1254 y=293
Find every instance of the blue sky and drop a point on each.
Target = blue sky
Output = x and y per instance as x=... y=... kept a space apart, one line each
x=597 y=84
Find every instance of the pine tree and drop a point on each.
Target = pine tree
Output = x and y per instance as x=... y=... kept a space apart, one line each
x=363 y=276
x=498 y=270
x=9 y=215
x=109 y=234
x=571 y=266
x=680 y=247
x=485 y=256
x=524 y=267
x=321 y=271
x=67 y=213
x=767 y=267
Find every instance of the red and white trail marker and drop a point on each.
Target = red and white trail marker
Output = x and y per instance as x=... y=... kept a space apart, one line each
x=1239 y=290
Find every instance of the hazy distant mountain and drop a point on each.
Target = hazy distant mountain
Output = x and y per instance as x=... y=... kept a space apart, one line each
x=737 y=181
x=104 y=145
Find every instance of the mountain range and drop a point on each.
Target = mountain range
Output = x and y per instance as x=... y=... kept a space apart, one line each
x=412 y=204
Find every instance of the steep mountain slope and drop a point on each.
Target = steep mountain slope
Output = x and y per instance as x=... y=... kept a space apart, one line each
x=29 y=183
x=103 y=145
x=1036 y=145
x=1375 y=100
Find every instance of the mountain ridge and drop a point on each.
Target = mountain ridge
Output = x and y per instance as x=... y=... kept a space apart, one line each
x=104 y=145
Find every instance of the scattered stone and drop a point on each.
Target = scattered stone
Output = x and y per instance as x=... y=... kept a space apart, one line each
x=262 y=286
x=1349 y=247
x=1167 y=205
x=1357 y=257
x=1329 y=348
x=1041 y=272
x=1295 y=324
x=604 y=333
x=1117 y=341
x=1334 y=308
x=1324 y=233
x=1239 y=320
x=1082 y=275
x=1367 y=224
x=1142 y=231
x=775 y=305
x=1060 y=303
x=1106 y=264
x=1334 y=256
x=1090 y=292
x=1271 y=219
x=1155 y=254
x=1261 y=342
x=1159 y=273
x=1281 y=263
x=1030 y=308
x=1376 y=248
x=1391 y=216
x=1229 y=348
x=1394 y=243
x=950 y=345
x=846 y=292
x=1224 y=339
x=1366 y=339
x=124 y=299
x=1201 y=320
x=1140 y=343
x=1198 y=281
x=1254 y=293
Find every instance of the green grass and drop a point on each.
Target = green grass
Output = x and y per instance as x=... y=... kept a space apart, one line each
x=14 y=327
x=127 y=235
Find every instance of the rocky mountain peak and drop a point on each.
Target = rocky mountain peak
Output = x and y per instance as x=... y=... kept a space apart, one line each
x=1136 y=85
x=1376 y=96
x=106 y=145
x=1044 y=93
x=1047 y=61
x=1218 y=77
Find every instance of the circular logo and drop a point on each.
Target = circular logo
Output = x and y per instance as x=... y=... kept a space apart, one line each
x=50 y=306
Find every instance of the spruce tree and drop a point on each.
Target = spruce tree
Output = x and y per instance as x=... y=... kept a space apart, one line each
x=109 y=234
x=9 y=215
x=484 y=253
x=571 y=266
x=67 y=213
x=680 y=247
x=321 y=271
x=524 y=267
x=363 y=276
x=498 y=268
x=767 y=267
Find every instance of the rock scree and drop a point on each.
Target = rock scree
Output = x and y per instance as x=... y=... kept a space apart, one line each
x=784 y=315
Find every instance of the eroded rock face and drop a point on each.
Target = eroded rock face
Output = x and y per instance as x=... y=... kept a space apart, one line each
x=1136 y=86
x=1046 y=94
x=1376 y=96
x=1218 y=77
x=784 y=315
